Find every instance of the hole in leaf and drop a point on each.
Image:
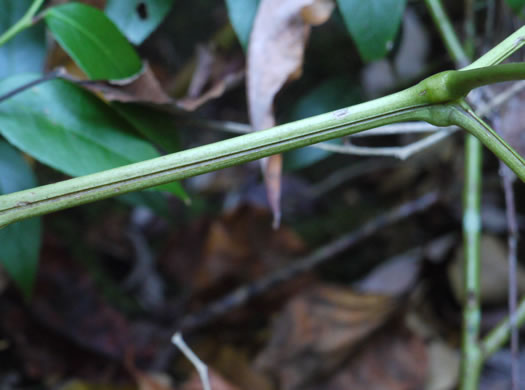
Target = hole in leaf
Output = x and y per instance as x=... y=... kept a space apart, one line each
x=142 y=10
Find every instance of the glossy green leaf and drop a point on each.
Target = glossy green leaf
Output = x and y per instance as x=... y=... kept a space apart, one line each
x=373 y=24
x=70 y=129
x=154 y=125
x=137 y=19
x=26 y=51
x=516 y=5
x=330 y=95
x=242 y=14
x=93 y=41
x=19 y=242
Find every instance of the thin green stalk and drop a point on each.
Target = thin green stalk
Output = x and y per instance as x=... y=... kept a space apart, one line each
x=500 y=334
x=25 y=22
x=471 y=361
x=502 y=51
x=469 y=27
x=468 y=120
x=447 y=32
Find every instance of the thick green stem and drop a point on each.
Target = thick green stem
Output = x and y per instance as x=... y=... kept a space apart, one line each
x=25 y=22
x=69 y=193
x=455 y=84
x=471 y=362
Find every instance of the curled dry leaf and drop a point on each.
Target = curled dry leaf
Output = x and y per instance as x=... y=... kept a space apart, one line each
x=275 y=55
x=318 y=330
x=145 y=88
x=213 y=76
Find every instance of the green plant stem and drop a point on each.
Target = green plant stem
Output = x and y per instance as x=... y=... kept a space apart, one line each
x=471 y=361
x=447 y=32
x=471 y=356
x=502 y=51
x=25 y=22
x=501 y=333
x=69 y=193
x=467 y=119
x=455 y=84
x=415 y=103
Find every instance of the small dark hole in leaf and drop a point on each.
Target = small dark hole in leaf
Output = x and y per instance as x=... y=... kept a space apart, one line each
x=142 y=10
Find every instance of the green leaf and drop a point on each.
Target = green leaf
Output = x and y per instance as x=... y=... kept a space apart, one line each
x=70 y=129
x=19 y=242
x=26 y=51
x=330 y=95
x=373 y=24
x=242 y=14
x=137 y=19
x=93 y=41
x=154 y=125
x=516 y=5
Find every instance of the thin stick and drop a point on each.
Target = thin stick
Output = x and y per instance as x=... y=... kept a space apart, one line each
x=201 y=368
x=245 y=293
x=25 y=22
x=49 y=76
x=498 y=336
x=400 y=152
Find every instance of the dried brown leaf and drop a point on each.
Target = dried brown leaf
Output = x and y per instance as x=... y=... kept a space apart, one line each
x=212 y=77
x=144 y=88
x=275 y=55
x=318 y=330
x=393 y=360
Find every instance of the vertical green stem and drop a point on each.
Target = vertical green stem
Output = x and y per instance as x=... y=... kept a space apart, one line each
x=471 y=362
x=471 y=359
x=25 y=22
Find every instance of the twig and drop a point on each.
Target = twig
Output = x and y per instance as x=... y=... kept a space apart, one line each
x=201 y=368
x=513 y=269
x=47 y=77
x=400 y=152
x=246 y=293
x=393 y=129
x=26 y=21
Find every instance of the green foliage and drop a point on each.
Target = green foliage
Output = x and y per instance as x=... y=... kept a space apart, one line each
x=372 y=24
x=69 y=129
x=93 y=41
x=26 y=51
x=242 y=14
x=137 y=19
x=516 y=5
x=154 y=125
x=330 y=95
x=20 y=242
